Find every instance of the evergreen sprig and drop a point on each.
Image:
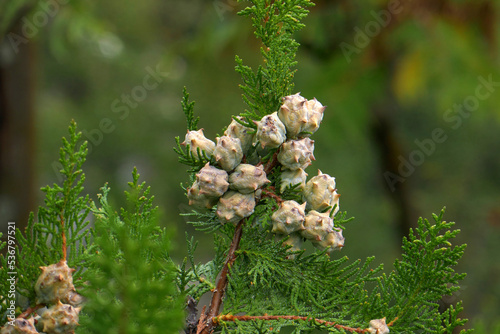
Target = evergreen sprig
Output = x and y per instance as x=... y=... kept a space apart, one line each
x=264 y=284
x=199 y=279
x=204 y=221
x=450 y=319
x=188 y=107
x=292 y=193
x=280 y=282
x=122 y=264
x=131 y=289
x=274 y=23
x=421 y=278
x=61 y=230
x=266 y=280
x=186 y=157
x=257 y=283
x=341 y=219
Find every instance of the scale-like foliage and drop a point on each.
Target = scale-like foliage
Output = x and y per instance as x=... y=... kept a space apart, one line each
x=122 y=264
x=421 y=278
x=61 y=229
x=268 y=279
x=274 y=23
x=132 y=288
x=257 y=282
x=188 y=108
x=186 y=157
x=199 y=279
x=271 y=287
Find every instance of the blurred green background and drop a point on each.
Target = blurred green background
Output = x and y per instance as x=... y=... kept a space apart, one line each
x=412 y=124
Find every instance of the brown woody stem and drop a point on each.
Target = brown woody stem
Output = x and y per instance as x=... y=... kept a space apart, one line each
x=271 y=163
x=30 y=310
x=229 y=317
x=64 y=249
x=206 y=322
x=267 y=193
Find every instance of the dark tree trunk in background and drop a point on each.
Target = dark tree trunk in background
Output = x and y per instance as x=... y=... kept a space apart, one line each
x=389 y=149
x=17 y=130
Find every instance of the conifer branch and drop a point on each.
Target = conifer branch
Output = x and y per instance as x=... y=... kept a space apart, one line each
x=30 y=310
x=202 y=322
x=187 y=107
x=230 y=317
x=218 y=293
x=63 y=236
x=196 y=161
x=392 y=322
x=267 y=193
x=274 y=23
x=275 y=276
x=271 y=163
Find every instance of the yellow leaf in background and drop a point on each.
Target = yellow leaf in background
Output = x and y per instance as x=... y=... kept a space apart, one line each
x=408 y=82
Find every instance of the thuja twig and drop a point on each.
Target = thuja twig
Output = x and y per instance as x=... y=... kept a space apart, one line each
x=271 y=163
x=30 y=310
x=267 y=193
x=202 y=322
x=230 y=317
x=64 y=248
x=392 y=322
x=206 y=323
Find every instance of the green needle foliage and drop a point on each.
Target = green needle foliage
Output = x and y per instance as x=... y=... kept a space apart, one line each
x=122 y=265
x=274 y=23
x=65 y=214
x=132 y=288
x=187 y=107
x=297 y=290
x=186 y=157
x=419 y=280
x=257 y=281
x=339 y=290
x=196 y=279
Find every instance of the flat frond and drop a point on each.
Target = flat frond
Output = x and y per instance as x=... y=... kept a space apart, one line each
x=422 y=276
x=61 y=229
x=274 y=23
x=188 y=107
x=132 y=286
